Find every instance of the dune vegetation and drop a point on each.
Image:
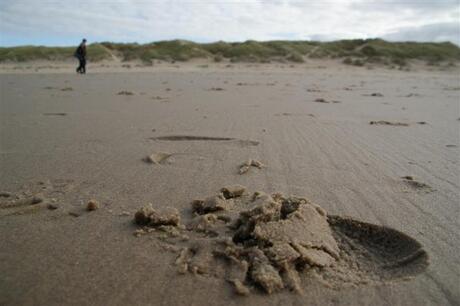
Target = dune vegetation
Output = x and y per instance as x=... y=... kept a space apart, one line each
x=354 y=52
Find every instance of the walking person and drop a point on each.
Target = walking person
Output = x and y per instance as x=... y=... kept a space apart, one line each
x=80 y=54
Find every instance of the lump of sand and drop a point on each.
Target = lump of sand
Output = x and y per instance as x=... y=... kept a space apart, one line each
x=148 y=216
x=248 y=164
x=274 y=235
x=157 y=158
x=321 y=100
x=92 y=205
x=211 y=204
x=274 y=238
x=233 y=191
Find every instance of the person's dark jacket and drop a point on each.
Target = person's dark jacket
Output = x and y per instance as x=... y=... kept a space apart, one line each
x=80 y=52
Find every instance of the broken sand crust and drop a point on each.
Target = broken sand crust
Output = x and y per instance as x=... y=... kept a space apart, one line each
x=273 y=242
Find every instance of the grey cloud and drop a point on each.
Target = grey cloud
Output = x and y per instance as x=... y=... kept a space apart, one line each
x=438 y=32
x=148 y=20
x=396 y=6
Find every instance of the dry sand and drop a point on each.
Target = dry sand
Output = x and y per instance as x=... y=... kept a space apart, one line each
x=68 y=139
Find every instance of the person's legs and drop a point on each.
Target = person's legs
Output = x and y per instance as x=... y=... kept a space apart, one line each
x=83 y=65
x=80 y=65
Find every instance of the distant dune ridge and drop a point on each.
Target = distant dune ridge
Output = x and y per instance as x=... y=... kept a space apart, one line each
x=354 y=52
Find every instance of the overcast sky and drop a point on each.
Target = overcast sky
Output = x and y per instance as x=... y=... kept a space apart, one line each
x=65 y=22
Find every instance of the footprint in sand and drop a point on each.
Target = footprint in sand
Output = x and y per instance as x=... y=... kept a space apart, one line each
x=270 y=243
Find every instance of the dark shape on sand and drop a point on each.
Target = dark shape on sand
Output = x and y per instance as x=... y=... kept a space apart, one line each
x=383 y=122
x=54 y=114
x=125 y=93
x=52 y=206
x=92 y=205
x=5 y=194
x=204 y=138
x=412 y=182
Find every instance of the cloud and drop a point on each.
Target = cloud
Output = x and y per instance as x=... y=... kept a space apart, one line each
x=438 y=32
x=51 y=21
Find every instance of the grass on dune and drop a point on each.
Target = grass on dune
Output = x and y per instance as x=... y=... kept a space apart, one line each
x=354 y=51
x=96 y=52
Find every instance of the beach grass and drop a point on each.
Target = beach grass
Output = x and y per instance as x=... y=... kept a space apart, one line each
x=368 y=50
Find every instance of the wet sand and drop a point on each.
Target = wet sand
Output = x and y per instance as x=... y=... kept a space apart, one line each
x=67 y=139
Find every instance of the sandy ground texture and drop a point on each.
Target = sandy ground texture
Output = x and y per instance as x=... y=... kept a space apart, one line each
x=359 y=171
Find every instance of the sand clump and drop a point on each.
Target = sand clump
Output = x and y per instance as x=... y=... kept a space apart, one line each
x=257 y=241
x=92 y=205
x=244 y=167
x=52 y=206
x=148 y=216
x=322 y=100
x=157 y=158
